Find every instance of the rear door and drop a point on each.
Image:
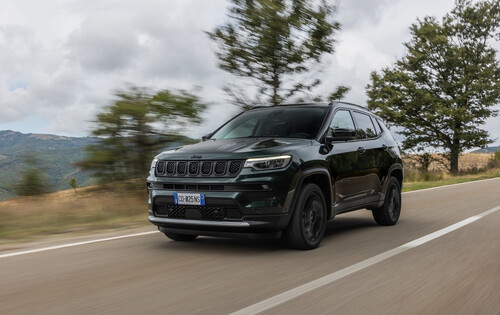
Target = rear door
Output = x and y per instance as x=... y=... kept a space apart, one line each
x=370 y=153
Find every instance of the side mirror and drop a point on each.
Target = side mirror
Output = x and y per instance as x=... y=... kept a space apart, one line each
x=206 y=137
x=340 y=134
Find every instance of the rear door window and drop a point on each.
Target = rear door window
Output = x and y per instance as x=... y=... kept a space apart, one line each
x=365 y=128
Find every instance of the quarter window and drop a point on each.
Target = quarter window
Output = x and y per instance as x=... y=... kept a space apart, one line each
x=377 y=126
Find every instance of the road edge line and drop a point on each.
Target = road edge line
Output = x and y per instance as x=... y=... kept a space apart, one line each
x=44 y=249
x=451 y=185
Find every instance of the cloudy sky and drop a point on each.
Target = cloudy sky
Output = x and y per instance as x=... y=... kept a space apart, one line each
x=61 y=60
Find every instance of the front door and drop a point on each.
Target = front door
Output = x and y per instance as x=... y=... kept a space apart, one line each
x=348 y=175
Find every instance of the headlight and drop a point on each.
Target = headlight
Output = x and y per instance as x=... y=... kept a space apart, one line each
x=268 y=163
x=152 y=168
x=153 y=164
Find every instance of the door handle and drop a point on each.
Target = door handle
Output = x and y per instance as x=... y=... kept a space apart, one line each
x=361 y=150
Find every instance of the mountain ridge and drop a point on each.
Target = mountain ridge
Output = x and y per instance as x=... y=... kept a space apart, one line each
x=55 y=155
x=488 y=150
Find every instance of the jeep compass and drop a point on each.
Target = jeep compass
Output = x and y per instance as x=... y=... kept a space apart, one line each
x=278 y=170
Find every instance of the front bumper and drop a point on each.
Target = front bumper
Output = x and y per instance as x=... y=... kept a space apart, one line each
x=252 y=202
x=223 y=212
x=249 y=227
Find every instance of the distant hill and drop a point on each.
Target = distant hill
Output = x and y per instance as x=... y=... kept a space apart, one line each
x=55 y=156
x=488 y=150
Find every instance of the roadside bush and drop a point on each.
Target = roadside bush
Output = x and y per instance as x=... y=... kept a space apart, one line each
x=494 y=162
x=412 y=175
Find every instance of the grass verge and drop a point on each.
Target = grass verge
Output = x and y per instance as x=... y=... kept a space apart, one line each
x=67 y=212
x=416 y=185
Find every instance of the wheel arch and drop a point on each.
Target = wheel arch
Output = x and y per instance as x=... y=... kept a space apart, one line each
x=320 y=177
x=398 y=174
x=396 y=170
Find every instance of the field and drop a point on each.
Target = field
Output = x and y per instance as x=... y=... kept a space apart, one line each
x=85 y=211
x=472 y=166
x=467 y=163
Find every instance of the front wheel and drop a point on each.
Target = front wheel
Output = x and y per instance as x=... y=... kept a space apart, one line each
x=180 y=237
x=389 y=213
x=308 y=224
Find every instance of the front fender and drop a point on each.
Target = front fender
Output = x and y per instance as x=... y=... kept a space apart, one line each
x=297 y=183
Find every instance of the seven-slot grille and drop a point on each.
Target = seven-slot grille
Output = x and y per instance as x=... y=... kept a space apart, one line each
x=224 y=168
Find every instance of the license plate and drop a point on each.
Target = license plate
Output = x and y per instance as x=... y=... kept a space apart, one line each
x=189 y=199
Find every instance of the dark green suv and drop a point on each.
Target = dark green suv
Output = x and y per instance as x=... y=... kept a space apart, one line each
x=283 y=170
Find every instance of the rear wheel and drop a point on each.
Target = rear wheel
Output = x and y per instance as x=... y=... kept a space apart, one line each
x=308 y=224
x=389 y=213
x=180 y=237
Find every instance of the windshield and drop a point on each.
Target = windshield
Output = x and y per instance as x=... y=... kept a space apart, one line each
x=274 y=122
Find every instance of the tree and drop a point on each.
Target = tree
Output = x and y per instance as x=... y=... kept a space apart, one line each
x=445 y=87
x=136 y=127
x=33 y=181
x=271 y=42
x=73 y=183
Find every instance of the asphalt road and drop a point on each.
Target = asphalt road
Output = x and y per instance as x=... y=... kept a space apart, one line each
x=457 y=273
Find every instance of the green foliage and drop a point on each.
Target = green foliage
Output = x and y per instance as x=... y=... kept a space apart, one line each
x=448 y=82
x=73 y=183
x=271 y=42
x=423 y=160
x=33 y=180
x=494 y=162
x=136 y=127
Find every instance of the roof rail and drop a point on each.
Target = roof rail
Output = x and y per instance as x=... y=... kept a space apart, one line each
x=291 y=104
x=347 y=103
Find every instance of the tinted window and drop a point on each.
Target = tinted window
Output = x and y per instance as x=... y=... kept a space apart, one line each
x=275 y=122
x=342 y=119
x=377 y=126
x=365 y=128
x=384 y=127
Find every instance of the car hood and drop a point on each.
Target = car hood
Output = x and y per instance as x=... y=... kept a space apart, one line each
x=241 y=148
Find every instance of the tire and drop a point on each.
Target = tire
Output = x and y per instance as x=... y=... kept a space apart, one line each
x=308 y=224
x=180 y=237
x=389 y=213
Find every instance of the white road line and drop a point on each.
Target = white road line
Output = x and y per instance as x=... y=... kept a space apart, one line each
x=452 y=185
x=312 y=285
x=44 y=249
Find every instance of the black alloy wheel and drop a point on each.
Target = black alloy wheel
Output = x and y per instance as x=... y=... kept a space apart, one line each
x=390 y=211
x=308 y=224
